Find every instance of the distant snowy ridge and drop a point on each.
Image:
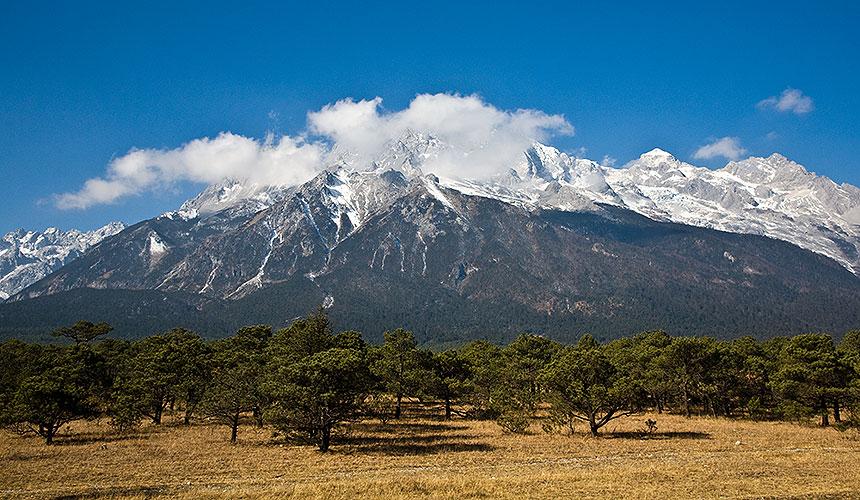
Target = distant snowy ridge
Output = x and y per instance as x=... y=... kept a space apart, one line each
x=771 y=196
x=28 y=256
x=385 y=239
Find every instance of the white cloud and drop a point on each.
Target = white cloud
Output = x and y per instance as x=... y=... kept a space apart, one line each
x=202 y=160
x=727 y=147
x=608 y=161
x=772 y=135
x=791 y=100
x=484 y=140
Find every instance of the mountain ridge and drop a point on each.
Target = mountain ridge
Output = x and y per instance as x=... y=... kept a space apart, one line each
x=554 y=237
x=27 y=256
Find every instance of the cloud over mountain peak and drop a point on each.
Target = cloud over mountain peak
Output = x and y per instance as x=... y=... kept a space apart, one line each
x=491 y=138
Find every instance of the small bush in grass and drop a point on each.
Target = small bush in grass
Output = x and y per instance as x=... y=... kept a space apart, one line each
x=514 y=422
x=481 y=414
x=557 y=423
x=513 y=413
x=757 y=410
x=124 y=418
x=650 y=426
x=793 y=411
x=379 y=407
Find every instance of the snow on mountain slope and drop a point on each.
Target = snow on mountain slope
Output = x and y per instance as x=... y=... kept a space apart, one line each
x=28 y=256
x=241 y=198
x=181 y=250
x=770 y=196
x=554 y=238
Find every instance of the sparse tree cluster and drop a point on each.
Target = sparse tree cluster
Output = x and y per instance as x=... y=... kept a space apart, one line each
x=308 y=381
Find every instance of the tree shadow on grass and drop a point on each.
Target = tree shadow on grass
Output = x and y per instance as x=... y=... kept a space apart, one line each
x=83 y=438
x=32 y=454
x=381 y=447
x=410 y=438
x=406 y=427
x=418 y=439
x=657 y=435
x=117 y=492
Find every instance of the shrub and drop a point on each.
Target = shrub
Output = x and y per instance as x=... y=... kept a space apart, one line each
x=514 y=422
x=795 y=412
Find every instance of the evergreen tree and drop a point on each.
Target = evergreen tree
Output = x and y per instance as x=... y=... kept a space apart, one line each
x=83 y=331
x=515 y=399
x=486 y=366
x=524 y=359
x=237 y=372
x=19 y=361
x=164 y=370
x=849 y=349
x=398 y=366
x=719 y=383
x=684 y=361
x=637 y=357
x=63 y=393
x=318 y=383
x=753 y=376
x=447 y=378
x=811 y=374
x=582 y=384
x=124 y=406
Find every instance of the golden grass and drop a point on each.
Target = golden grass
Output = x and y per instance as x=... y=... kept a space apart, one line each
x=696 y=458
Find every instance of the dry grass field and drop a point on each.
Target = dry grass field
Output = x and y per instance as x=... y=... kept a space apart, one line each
x=696 y=458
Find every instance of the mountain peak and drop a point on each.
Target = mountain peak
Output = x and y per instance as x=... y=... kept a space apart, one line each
x=657 y=153
x=231 y=194
x=775 y=166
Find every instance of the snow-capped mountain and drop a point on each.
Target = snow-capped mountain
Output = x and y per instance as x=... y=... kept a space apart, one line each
x=770 y=196
x=240 y=198
x=553 y=239
x=28 y=256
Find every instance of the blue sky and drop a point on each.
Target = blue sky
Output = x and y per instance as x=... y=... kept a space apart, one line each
x=81 y=85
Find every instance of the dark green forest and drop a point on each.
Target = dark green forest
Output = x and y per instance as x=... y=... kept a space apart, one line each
x=307 y=381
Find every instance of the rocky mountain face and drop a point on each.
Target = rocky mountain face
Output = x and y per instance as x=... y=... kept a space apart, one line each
x=556 y=245
x=771 y=196
x=28 y=256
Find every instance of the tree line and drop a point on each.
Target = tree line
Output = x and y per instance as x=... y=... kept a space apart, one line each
x=306 y=380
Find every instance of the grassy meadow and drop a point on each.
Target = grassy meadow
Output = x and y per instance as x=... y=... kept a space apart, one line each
x=415 y=458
